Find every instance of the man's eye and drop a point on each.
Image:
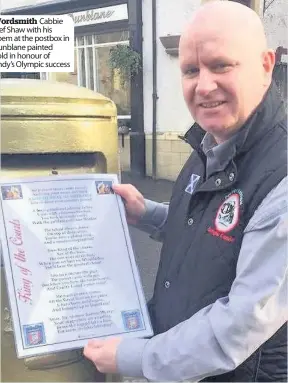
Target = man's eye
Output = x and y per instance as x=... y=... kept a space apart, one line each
x=191 y=72
x=221 y=67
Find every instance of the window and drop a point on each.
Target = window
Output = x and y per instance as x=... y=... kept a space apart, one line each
x=92 y=70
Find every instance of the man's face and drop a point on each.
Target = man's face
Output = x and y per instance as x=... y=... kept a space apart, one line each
x=223 y=80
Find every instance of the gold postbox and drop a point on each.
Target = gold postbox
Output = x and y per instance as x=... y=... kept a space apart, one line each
x=52 y=128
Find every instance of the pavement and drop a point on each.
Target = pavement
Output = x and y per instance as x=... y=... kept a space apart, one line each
x=146 y=250
x=157 y=190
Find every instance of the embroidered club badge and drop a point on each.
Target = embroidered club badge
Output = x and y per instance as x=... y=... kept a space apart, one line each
x=228 y=213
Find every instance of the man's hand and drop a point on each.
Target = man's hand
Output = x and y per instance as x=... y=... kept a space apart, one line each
x=103 y=354
x=133 y=200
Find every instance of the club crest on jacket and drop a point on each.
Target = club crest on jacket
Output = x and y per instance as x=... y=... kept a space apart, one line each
x=228 y=213
x=227 y=216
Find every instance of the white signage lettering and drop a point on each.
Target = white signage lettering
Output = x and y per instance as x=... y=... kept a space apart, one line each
x=100 y=15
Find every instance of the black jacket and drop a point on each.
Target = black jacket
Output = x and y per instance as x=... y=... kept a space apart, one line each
x=204 y=231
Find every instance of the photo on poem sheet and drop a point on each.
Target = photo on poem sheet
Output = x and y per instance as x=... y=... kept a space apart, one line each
x=11 y=192
x=104 y=187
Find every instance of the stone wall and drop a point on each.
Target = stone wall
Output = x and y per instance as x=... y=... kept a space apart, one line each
x=172 y=153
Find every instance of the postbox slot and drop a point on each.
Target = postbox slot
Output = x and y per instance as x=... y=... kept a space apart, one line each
x=49 y=163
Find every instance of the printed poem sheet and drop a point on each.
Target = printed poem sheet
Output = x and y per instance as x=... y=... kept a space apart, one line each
x=70 y=269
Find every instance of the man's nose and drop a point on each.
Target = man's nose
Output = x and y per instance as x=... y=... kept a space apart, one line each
x=206 y=83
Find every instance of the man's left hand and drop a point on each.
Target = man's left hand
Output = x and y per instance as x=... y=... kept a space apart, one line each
x=103 y=354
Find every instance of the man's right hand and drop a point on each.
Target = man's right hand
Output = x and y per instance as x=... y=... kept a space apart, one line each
x=133 y=200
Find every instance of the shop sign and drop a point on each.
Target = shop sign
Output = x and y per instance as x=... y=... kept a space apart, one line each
x=100 y=15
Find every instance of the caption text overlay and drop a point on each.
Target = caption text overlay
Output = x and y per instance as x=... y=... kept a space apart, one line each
x=36 y=43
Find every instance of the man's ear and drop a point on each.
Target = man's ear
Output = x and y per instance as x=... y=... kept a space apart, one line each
x=268 y=61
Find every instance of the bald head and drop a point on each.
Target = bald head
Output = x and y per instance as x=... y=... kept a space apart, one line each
x=230 y=18
x=225 y=64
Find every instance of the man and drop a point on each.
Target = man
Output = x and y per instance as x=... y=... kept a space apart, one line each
x=219 y=308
